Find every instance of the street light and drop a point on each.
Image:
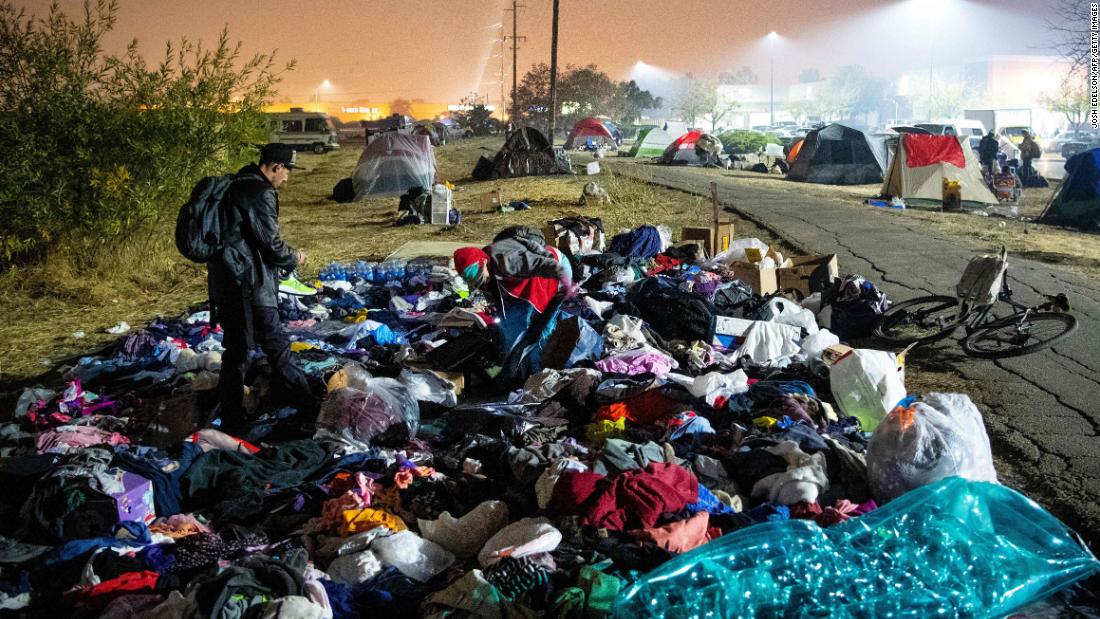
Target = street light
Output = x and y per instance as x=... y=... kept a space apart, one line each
x=772 y=36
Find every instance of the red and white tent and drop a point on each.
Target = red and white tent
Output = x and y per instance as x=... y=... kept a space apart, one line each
x=923 y=161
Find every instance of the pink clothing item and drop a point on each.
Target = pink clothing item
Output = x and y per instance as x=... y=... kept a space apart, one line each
x=64 y=439
x=681 y=536
x=640 y=361
x=209 y=439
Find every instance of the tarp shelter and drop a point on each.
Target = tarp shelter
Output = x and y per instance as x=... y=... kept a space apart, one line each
x=651 y=142
x=923 y=161
x=588 y=128
x=526 y=152
x=839 y=155
x=1077 y=202
x=392 y=164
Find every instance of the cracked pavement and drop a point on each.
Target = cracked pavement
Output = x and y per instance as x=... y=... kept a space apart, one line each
x=1042 y=411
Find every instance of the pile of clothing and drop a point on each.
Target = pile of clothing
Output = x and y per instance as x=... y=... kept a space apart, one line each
x=676 y=413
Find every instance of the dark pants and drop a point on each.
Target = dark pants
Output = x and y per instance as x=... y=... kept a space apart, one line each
x=290 y=383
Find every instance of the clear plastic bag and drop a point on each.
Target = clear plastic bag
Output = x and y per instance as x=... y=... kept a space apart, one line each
x=382 y=412
x=938 y=436
x=956 y=548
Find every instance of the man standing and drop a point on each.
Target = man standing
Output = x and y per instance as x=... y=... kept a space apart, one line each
x=987 y=151
x=1029 y=149
x=244 y=283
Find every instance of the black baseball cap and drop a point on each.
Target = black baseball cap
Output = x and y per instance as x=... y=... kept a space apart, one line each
x=278 y=152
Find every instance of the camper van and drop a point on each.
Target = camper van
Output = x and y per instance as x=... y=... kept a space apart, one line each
x=304 y=130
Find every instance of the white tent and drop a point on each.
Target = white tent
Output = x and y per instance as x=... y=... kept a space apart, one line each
x=925 y=180
x=392 y=164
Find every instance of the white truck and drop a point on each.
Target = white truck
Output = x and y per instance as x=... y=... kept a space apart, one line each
x=304 y=130
x=1010 y=123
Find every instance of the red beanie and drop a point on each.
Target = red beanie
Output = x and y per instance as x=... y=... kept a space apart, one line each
x=467 y=256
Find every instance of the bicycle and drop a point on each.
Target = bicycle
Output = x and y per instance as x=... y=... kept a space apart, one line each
x=984 y=283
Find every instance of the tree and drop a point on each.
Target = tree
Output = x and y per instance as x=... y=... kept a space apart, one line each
x=474 y=115
x=631 y=101
x=1070 y=31
x=803 y=109
x=809 y=74
x=948 y=98
x=533 y=97
x=701 y=99
x=851 y=93
x=582 y=91
x=99 y=148
x=741 y=77
x=1071 y=99
x=695 y=100
x=401 y=106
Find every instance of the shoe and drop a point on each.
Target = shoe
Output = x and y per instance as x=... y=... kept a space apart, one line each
x=291 y=285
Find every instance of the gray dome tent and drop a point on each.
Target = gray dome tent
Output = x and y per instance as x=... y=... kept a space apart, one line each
x=840 y=155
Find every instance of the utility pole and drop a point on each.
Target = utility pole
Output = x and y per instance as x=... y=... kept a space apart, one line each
x=515 y=48
x=503 y=101
x=553 y=76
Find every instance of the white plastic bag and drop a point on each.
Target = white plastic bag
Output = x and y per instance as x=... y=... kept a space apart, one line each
x=736 y=251
x=815 y=344
x=528 y=536
x=768 y=341
x=939 y=436
x=867 y=384
x=981 y=280
x=788 y=312
x=465 y=536
x=712 y=385
x=415 y=556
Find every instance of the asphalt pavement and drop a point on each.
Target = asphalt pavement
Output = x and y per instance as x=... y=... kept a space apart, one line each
x=1042 y=411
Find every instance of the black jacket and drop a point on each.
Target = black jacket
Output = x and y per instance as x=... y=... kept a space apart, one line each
x=987 y=148
x=248 y=269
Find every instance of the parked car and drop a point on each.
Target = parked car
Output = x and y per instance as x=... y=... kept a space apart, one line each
x=303 y=130
x=1070 y=141
x=1070 y=148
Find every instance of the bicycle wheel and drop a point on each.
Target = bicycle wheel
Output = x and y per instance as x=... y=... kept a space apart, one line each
x=919 y=320
x=1011 y=337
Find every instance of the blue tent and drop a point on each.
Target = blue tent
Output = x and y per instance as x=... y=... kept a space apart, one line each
x=1077 y=202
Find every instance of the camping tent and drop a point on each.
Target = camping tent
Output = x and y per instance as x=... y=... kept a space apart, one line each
x=613 y=129
x=429 y=130
x=651 y=142
x=392 y=164
x=526 y=152
x=839 y=155
x=1077 y=202
x=588 y=128
x=923 y=161
x=692 y=148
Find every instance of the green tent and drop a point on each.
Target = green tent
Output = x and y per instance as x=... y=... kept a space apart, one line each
x=651 y=142
x=1077 y=203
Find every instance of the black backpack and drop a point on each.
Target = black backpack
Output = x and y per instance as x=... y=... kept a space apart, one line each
x=199 y=225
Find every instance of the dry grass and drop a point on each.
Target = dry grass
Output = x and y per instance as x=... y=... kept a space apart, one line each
x=43 y=305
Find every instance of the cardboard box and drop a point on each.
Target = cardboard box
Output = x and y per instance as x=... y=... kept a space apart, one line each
x=809 y=274
x=491 y=200
x=704 y=236
x=728 y=330
x=763 y=281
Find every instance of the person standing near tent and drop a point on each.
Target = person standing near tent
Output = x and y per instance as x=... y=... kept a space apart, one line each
x=1029 y=149
x=987 y=151
x=525 y=274
x=247 y=306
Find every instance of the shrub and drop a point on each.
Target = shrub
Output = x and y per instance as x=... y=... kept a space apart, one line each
x=739 y=142
x=98 y=146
